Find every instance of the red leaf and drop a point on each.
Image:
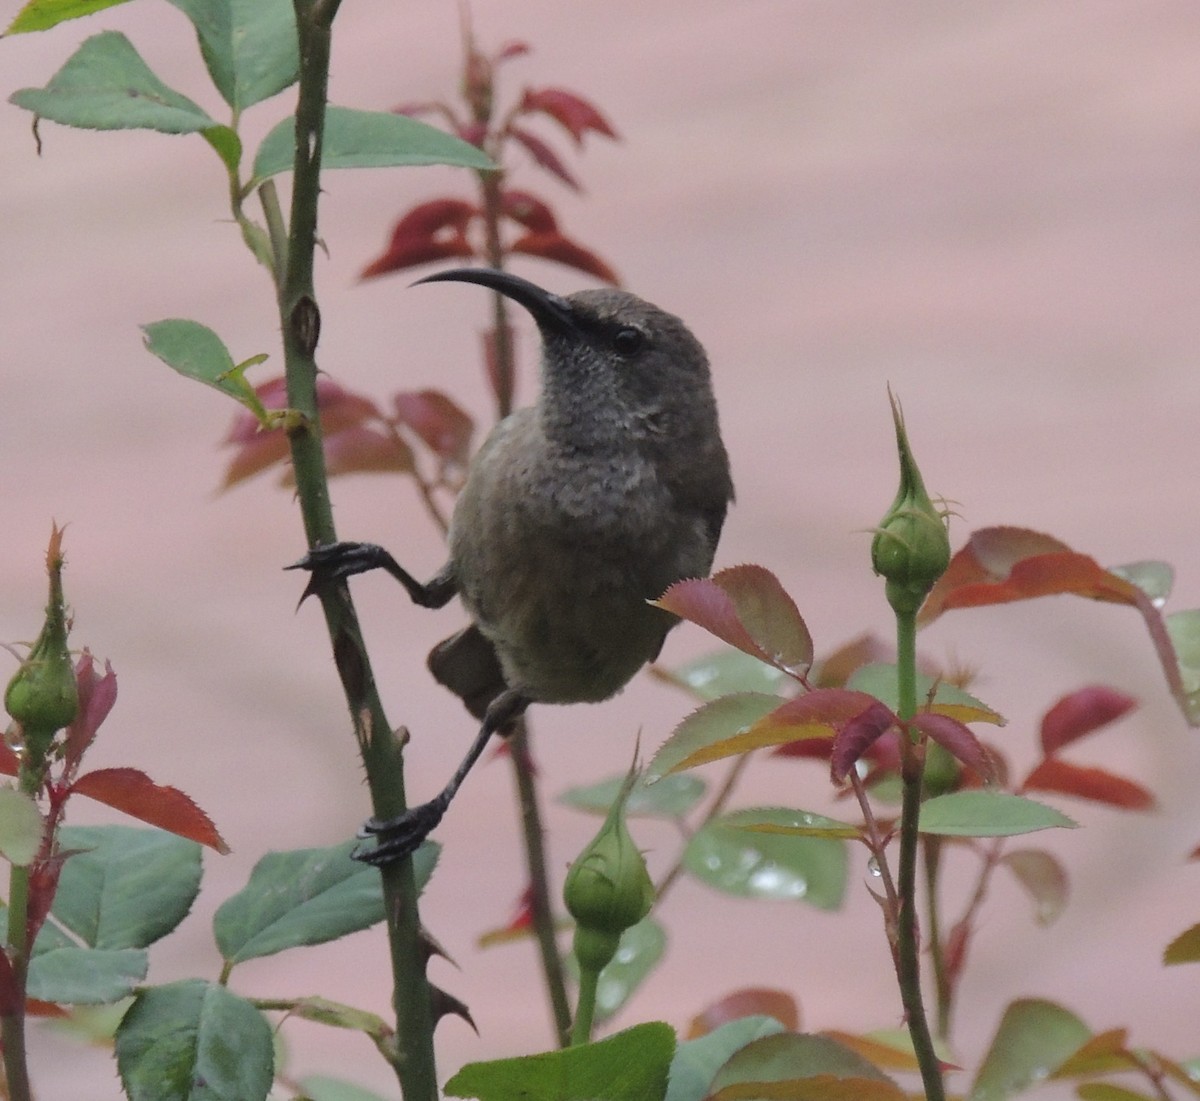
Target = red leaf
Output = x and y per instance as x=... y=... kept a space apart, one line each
x=573 y=113
x=835 y=669
x=1000 y=565
x=514 y=48
x=518 y=926
x=340 y=408
x=957 y=739
x=436 y=230
x=1080 y=713
x=97 y=694
x=554 y=246
x=10 y=763
x=750 y=1001
x=528 y=210
x=10 y=995
x=544 y=156
x=443 y=425
x=817 y=749
x=363 y=450
x=748 y=608
x=133 y=792
x=857 y=736
x=1096 y=784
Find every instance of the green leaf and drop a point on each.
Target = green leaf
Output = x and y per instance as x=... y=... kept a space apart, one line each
x=1033 y=1039
x=194 y=1040
x=757 y=865
x=1107 y=1091
x=249 y=46
x=1184 y=630
x=789 y=1056
x=726 y=671
x=638 y=953
x=307 y=896
x=630 y=1066
x=368 y=139
x=794 y=823
x=41 y=15
x=227 y=144
x=707 y=726
x=1155 y=579
x=670 y=797
x=86 y=976
x=1185 y=948
x=20 y=827
x=696 y=1061
x=879 y=680
x=125 y=887
x=195 y=351
x=319 y=1088
x=105 y=85
x=988 y=814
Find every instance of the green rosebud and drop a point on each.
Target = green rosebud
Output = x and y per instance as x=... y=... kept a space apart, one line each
x=608 y=888
x=42 y=695
x=911 y=548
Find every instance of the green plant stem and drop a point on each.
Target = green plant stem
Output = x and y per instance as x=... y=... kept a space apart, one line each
x=381 y=749
x=908 y=948
x=12 y=1025
x=541 y=908
x=585 y=1009
x=943 y=992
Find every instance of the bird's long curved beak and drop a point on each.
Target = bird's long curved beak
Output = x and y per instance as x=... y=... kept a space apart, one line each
x=548 y=310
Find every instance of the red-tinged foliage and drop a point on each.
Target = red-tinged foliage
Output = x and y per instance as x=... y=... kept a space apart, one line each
x=363 y=450
x=97 y=694
x=750 y=1001
x=748 y=608
x=835 y=669
x=573 y=113
x=258 y=450
x=857 y=736
x=511 y=49
x=436 y=230
x=440 y=422
x=562 y=250
x=543 y=155
x=1001 y=565
x=10 y=764
x=1081 y=713
x=1096 y=784
x=957 y=739
x=528 y=210
x=10 y=996
x=814 y=749
x=133 y=792
x=518 y=926
x=35 y=1007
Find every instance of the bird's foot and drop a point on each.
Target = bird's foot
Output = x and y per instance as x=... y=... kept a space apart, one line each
x=336 y=560
x=398 y=837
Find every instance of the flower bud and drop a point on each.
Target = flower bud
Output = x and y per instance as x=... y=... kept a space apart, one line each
x=608 y=888
x=42 y=695
x=911 y=548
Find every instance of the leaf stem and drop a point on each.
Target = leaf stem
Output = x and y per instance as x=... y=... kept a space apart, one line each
x=381 y=749
x=540 y=905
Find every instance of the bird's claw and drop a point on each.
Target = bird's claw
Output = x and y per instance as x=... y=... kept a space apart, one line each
x=398 y=837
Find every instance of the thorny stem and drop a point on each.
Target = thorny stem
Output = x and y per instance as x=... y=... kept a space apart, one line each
x=942 y=984
x=908 y=947
x=413 y=1059
x=877 y=843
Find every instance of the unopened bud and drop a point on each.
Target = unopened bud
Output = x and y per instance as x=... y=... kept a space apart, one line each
x=42 y=695
x=608 y=888
x=911 y=549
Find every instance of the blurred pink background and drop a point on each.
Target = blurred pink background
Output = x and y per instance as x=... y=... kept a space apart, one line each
x=992 y=207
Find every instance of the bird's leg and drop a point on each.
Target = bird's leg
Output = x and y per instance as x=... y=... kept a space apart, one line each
x=337 y=560
x=397 y=837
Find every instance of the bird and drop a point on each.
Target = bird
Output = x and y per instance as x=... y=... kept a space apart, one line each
x=577 y=512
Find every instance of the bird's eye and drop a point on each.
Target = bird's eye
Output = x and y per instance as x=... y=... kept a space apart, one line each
x=628 y=342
